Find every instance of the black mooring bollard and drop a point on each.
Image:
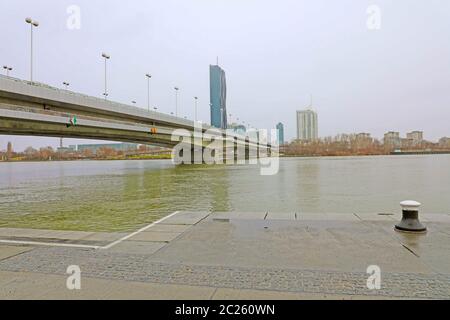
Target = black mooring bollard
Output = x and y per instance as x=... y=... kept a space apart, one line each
x=410 y=219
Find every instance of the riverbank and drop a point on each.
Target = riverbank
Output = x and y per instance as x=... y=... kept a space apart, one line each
x=229 y=255
x=133 y=157
x=169 y=157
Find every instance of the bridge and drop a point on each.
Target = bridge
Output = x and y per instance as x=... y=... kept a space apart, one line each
x=36 y=109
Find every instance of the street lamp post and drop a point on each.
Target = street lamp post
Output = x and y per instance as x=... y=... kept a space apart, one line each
x=7 y=69
x=176 y=101
x=195 y=113
x=32 y=23
x=149 y=76
x=107 y=57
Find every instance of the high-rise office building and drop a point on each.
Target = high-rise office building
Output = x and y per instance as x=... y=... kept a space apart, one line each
x=280 y=133
x=218 y=97
x=307 y=125
x=9 y=148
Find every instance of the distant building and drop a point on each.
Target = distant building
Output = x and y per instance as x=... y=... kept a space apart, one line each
x=307 y=125
x=9 y=149
x=363 y=136
x=444 y=142
x=415 y=137
x=115 y=146
x=392 y=139
x=280 y=133
x=68 y=149
x=218 y=97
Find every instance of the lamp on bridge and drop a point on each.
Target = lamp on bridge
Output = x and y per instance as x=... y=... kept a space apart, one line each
x=35 y=24
x=107 y=57
x=149 y=76
x=8 y=69
x=196 y=100
x=176 y=101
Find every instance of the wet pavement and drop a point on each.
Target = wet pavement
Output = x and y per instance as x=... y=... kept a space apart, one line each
x=225 y=255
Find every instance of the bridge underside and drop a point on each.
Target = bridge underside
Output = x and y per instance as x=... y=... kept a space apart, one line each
x=61 y=127
x=59 y=130
x=39 y=110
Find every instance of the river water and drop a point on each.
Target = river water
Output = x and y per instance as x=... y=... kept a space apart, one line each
x=124 y=195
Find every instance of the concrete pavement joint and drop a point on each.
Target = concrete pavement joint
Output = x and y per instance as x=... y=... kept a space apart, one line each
x=112 y=244
x=49 y=244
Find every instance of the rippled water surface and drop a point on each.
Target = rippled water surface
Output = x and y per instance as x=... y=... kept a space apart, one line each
x=124 y=195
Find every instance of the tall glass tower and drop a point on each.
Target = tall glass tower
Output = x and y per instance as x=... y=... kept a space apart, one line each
x=280 y=133
x=218 y=97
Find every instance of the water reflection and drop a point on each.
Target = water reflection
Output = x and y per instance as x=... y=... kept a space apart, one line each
x=123 y=195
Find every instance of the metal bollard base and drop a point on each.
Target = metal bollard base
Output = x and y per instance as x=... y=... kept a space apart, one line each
x=410 y=223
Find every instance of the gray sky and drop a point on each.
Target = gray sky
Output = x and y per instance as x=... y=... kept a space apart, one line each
x=275 y=53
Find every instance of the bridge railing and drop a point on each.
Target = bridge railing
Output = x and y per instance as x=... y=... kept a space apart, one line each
x=125 y=108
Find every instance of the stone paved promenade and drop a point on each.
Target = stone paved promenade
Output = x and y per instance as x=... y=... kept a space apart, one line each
x=233 y=256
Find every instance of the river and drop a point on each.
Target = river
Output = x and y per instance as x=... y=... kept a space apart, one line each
x=124 y=195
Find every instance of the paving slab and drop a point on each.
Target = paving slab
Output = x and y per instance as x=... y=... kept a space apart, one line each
x=22 y=233
x=186 y=218
x=65 y=235
x=328 y=217
x=239 y=215
x=10 y=251
x=434 y=217
x=23 y=285
x=136 y=247
x=374 y=217
x=432 y=248
x=104 y=236
x=162 y=227
x=43 y=234
x=150 y=236
x=281 y=216
x=313 y=245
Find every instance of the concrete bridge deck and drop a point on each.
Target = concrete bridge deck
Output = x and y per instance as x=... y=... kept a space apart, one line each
x=37 y=109
x=260 y=255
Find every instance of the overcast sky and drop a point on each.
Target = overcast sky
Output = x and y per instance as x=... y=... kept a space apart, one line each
x=275 y=53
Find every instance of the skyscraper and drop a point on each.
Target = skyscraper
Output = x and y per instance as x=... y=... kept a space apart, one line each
x=307 y=125
x=218 y=96
x=9 y=150
x=280 y=133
